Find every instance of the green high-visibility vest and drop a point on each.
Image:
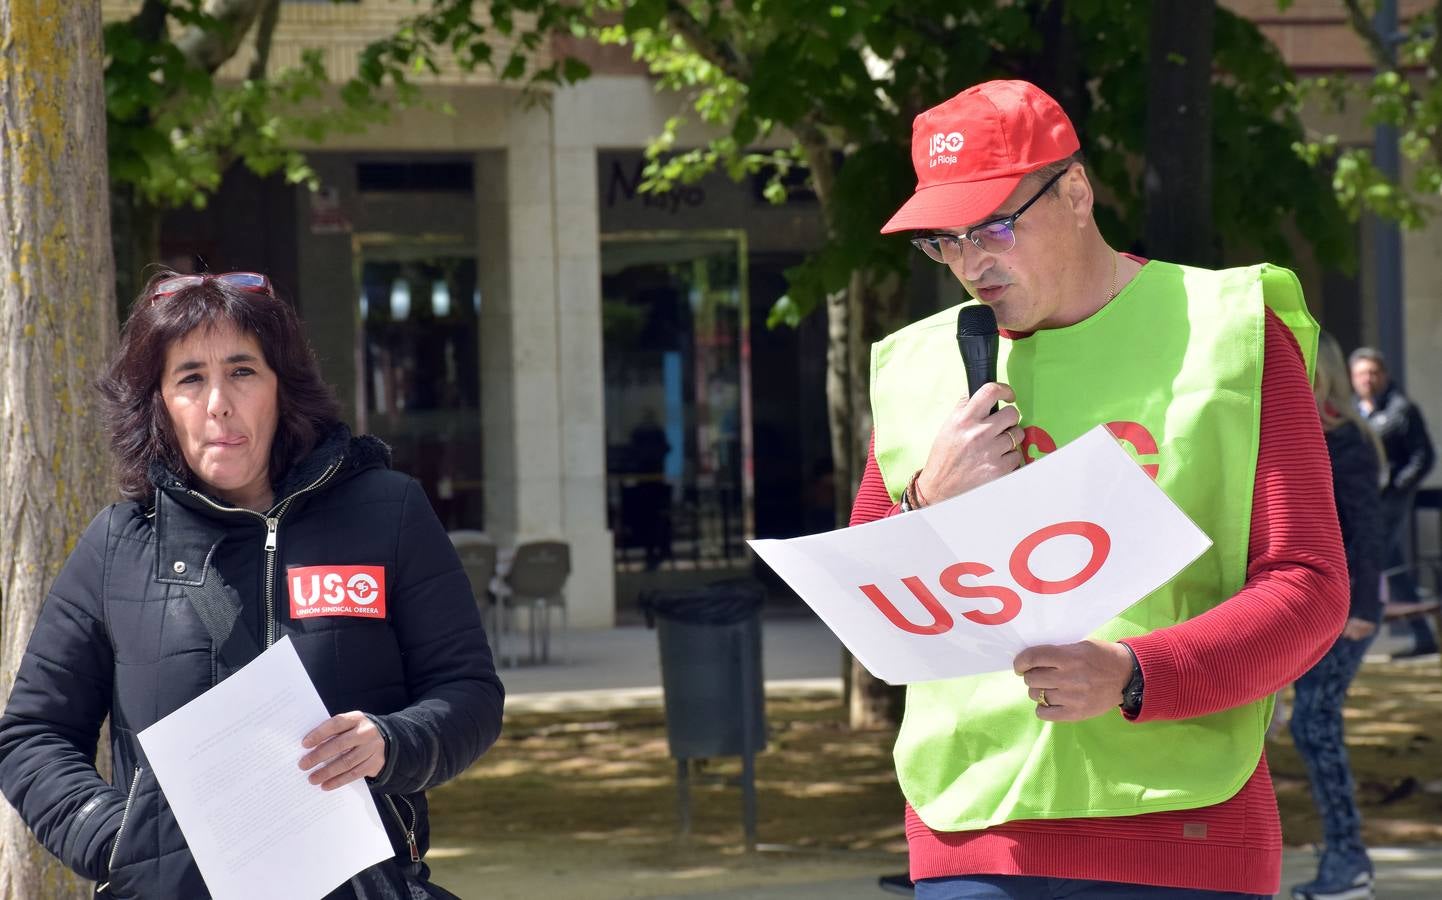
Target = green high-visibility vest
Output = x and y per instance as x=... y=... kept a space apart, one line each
x=1174 y=365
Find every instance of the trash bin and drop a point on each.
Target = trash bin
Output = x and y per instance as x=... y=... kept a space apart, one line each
x=710 y=640
x=710 y=643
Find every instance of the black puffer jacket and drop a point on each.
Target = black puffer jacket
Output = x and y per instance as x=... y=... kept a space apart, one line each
x=119 y=634
x=1398 y=423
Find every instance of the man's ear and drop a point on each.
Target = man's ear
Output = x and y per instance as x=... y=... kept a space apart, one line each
x=1076 y=190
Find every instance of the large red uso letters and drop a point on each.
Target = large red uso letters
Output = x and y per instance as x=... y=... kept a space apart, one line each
x=1020 y=568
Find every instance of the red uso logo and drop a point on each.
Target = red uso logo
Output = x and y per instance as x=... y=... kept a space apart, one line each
x=1133 y=434
x=337 y=591
x=1021 y=573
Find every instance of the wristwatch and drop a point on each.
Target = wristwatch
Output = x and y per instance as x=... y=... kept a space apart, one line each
x=1132 y=694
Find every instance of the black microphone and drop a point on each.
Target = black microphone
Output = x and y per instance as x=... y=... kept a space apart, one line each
x=977 y=340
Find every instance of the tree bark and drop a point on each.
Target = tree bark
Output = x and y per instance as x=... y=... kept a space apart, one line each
x=1178 y=173
x=57 y=328
x=875 y=308
x=853 y=320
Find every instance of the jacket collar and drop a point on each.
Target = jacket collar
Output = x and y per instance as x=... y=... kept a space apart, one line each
x=189 y=525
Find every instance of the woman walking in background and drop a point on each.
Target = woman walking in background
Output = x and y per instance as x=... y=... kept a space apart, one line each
x=1345 y=872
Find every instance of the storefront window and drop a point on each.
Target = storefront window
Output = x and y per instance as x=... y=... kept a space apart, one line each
x=419 y=367
x=678 y=412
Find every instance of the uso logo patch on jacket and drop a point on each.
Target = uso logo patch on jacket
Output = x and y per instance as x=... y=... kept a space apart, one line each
x=337 y=591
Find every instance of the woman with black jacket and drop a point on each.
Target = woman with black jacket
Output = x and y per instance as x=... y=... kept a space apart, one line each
x=1344 y=871
x=251 y=513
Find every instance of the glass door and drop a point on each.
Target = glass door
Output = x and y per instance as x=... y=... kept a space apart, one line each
x=418 y=366
x=678 y=411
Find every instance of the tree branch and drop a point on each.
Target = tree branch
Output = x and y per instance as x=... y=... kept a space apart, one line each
x=269 y=16
x=209 y=48
x=817 y=151
x=720 y=54
x=1376 y=43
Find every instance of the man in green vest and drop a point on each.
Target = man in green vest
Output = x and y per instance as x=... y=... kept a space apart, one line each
x=1128 y=765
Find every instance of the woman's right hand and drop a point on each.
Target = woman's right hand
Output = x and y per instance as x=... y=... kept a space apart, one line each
x=350 y=745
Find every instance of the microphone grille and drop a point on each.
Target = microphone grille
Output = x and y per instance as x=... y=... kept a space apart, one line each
x=976 y=319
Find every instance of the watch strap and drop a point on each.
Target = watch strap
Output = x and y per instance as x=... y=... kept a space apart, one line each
x=1132 y=694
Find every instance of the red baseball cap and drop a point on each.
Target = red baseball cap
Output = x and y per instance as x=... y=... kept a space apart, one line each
x=971 y=151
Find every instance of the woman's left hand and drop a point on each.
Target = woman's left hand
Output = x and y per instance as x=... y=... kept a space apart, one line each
x=1356 y=629
x=351 y=747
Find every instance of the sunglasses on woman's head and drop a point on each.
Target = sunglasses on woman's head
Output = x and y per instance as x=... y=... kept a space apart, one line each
x=245 y=281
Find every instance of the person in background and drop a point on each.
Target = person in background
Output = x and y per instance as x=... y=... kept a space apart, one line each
x=1399 y=424
x=251 y=514
x=1344 y=871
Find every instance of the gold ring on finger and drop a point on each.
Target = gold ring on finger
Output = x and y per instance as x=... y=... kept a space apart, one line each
x=1041 y=697
x=1015 y=447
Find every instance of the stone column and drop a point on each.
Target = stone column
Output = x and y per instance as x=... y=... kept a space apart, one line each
x=582 y=372
x=541 y=375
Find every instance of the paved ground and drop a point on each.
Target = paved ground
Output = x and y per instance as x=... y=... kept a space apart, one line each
x=606 y=668
x=620 y=667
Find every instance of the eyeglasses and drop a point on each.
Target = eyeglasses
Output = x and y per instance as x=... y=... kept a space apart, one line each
x=253 y=282
x=994 y=236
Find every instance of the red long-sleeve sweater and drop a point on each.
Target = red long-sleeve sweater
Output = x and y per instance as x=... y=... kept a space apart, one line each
x=1283 y=619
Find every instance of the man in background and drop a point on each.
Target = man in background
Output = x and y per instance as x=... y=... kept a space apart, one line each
x=1398 y=423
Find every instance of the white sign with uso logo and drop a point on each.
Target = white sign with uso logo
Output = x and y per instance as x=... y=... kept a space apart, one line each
x=1045 y=555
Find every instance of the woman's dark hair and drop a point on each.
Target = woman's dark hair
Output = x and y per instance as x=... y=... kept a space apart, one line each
x=140 y=430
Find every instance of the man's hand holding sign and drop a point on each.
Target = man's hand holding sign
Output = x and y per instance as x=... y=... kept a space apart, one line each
x=1072 y=682
x=1015 y=574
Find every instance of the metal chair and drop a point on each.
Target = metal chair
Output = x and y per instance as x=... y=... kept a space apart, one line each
x=536 y=577
x=478 y=557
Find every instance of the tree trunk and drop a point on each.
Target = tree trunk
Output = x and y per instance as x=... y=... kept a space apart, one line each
x=1178 y=173
x=874 y=309
x=56 y=329
x=852 y=320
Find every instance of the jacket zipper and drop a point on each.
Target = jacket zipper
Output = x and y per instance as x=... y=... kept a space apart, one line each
x=411 y=831
x=124 y=816
x=272 y=527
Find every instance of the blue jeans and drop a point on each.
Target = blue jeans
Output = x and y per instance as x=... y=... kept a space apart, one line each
x=1317 y=731
x=1028 y=887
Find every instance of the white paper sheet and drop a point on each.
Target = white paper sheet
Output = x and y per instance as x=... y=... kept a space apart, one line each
x=228 y=763
x=1135 y=538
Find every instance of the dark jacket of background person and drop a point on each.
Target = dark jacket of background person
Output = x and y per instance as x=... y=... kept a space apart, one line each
x=118 y=635
x=1398 y=423
x=1354 y=483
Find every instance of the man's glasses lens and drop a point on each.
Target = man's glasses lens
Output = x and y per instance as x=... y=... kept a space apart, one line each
x=997 y=237
x=940 y=248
